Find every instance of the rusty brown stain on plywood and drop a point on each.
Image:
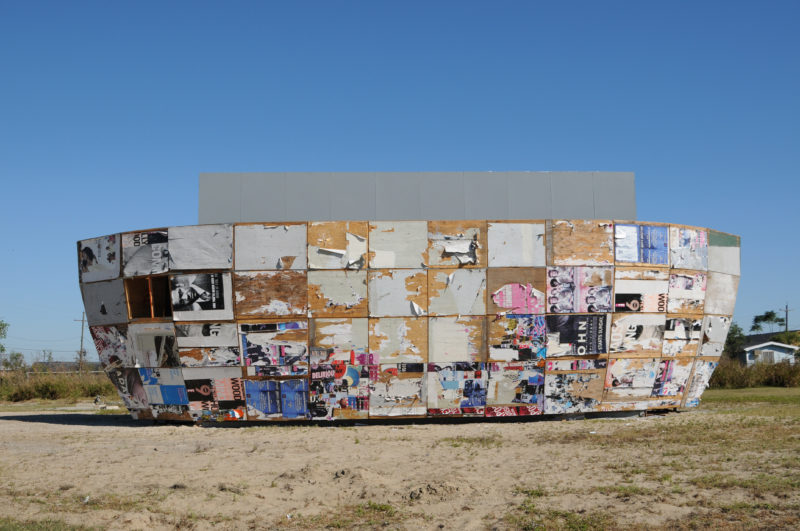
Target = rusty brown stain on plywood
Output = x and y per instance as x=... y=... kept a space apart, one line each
x=399 y=339
x=269 y=293
x=337 y=293
x=417 y=289
x=580 y=242
x=442 y=234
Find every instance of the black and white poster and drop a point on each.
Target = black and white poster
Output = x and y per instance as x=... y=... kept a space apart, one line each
x=576 y=335
x=201 y=296
x=145 y=253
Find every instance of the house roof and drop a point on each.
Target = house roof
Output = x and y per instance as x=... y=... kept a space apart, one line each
x=757 y=339
x=772 y=343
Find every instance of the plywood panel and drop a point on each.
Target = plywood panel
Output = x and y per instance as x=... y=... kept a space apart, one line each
x=681 y=335
x=452 y=339
x=399 y=390
x=457 y=292
x=337 y=293
x=153 y=344
x=672 y=376
x=210 y=357
x=637 y=335
x=340 y=391
x=341 y=339
x=261 y=294
x=514 y=388
x=105 y=302
x=398 y=244
x=201 y=247
x=398 y=293
x=630 y=378
x=206 y=335
x=715 y=331
x=721 y=293
x=577 y=335
x=687 y=291
x=581 y=242
x=640 y=289
x=201 y=296
x=457 y=244
x=276 y=343
x=399 y=339
x=516 y=244
x=337 y=244
x=723 y=253
x=577 y=392
x=517 y=338
x=98 y=258
x=579 y=289
x=641 y=244
x=701 y=374
x=456 y=389
x=261 y=246
x=516 y=290
x=145 y=253
x=111 y=344
x=688 y=248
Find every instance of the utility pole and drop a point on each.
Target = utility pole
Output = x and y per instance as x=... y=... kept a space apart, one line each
x=81 y=352
x=786 y=318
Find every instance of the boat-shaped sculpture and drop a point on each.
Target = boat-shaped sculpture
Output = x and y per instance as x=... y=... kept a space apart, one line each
x=362 y=320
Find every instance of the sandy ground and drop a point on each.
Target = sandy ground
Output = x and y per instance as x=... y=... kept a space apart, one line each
x=680 y=469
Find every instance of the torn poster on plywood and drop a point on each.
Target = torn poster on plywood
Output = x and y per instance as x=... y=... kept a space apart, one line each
x=639 y=405
x=457 y=292
x=456 y=389
x=98 y=258
x=644 y=244
x=399 y=390
x=715 y=331
x=171 y=412
x=681 y=335
x=457 y=243
x=398 y=339
x=723 y=253
x=514 y=388
x=111 y=343
x=210 y=357
x=337 y=244
x=215 y=393
x=398 y=293
x=639 y=335
x=201 y=247
x=721 y=293
x=280 y=343
x=145 y=253
x=340 y=339
x=191 y=335
x=105 y=302
x=577 y=335
x=517 y=338
x=519 y=290
x=263 y=246
x=640 y=290
x=576 y=365
x=336 y=293
x=581 y=242
x=270 y=293
x=201 y=296
x=630 y=378
x=576 y=392
x=153 y=345
x=128 y=383
x=340 y=390
x=263 y=399
x=579 y=289
x=398 y=244
x=454 y=339
x=516 y=244
x=164 y=386
x=688 y=248
x=672 y=376
x=687 y=292
x=703 y=369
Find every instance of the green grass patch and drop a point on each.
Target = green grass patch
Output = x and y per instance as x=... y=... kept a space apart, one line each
x=492 y=440
x=18 y=386
x=11 y=524
x=770 y=395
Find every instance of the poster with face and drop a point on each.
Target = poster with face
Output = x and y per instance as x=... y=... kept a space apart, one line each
x=145 y=253
x=98 y=258
x=201 y=296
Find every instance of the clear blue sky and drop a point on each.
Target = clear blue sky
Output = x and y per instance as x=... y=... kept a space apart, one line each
x=109 y=110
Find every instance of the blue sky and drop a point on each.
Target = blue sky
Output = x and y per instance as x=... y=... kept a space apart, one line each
x=110 y=110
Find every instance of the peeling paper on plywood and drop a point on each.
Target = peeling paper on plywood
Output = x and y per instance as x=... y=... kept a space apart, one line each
x=518 y=338
x=398 y=391
x=630 y=378
x=687 y=292
x=577 y=335
x=688 y=248
x=201 y=247
x=275 y=344
x=262 y=246
x=578 y=392
x=637 y=334
x=340 y=391
x=456 y=389
x=153 y=344
x=579 y=289
x=98 y=258
x=201 y=296
x=514 y=388
x=210 y=357
x=516 y=244
x=519 y=299
x=460 y=292
x=145 y=253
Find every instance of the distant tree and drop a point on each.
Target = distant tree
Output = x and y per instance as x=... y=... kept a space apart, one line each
x=787 y=338
x=15 y=361
x=3 y=331
x=769 y=317
x=735 y=341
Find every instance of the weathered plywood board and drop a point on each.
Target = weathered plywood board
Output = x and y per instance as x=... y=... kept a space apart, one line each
x=641 y=244
x=170 y=412
x=164 y=387
x=721 y=293
x=145 y=253
x=580 y=242
x=576 y=392
x=337 y=293
x=215 y=393
x=337 y=244
x=263 y=398
x=640 y=289
x=681 y=335
x=398 y=244
x=577 y=364
x=452 y=339
x=687 y=291
x=153 y=344
x=637 y=335
x=201 y=297
x=399 y=339
x=672 y=376
x=579 y=289
x=518 y=290
x=276 y=343
x=341 y=339
x=456 y=389
x=517 y=338
x=457 y=244
x=629 y=378
x=723 y=253
x=111 y=343
x=129 y=386
x=340 y=391
x=399 y=390
x=688 y=248
x=398 y=293
x=261 y=294
x=516 y=244
x=261 y=246
x=98 y=258
x=516 y=385
x=210 y=357
x=105 y=302
x=200 y=247
x=715 y=331
x=457 y=292
x=577 y=335
x=191 y=335
x=701 y=374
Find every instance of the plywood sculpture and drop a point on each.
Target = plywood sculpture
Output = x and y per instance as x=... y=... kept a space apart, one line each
x=357 y=320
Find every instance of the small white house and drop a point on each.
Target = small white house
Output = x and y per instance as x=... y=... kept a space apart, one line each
x=769 y=352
